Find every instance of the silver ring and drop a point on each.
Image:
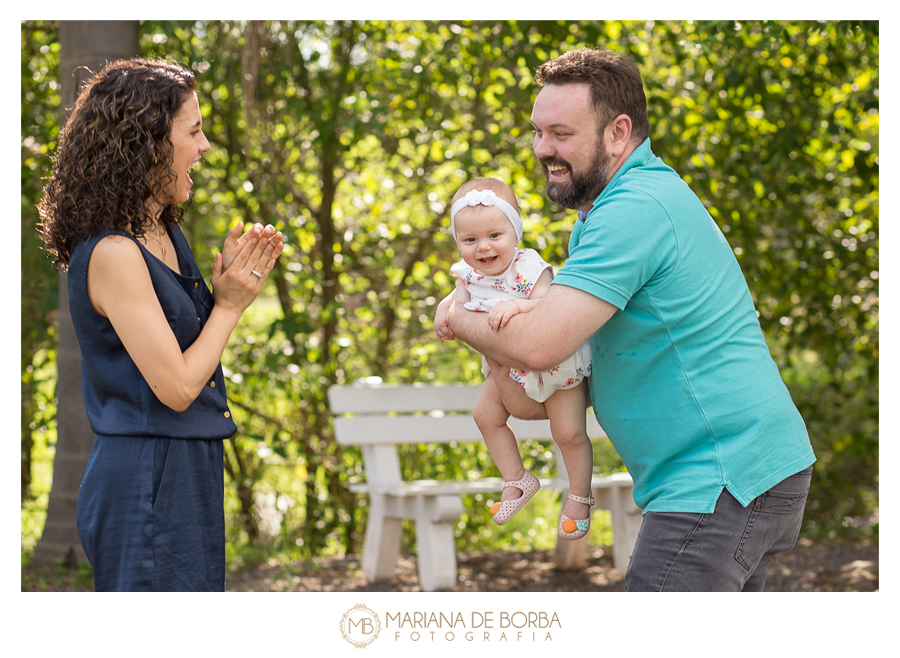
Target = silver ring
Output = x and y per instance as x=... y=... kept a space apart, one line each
x=255 y=273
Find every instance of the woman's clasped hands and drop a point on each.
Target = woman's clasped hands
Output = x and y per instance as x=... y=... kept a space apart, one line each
x=245 y=262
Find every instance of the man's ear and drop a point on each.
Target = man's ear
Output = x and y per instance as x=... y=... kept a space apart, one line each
x=618 y=135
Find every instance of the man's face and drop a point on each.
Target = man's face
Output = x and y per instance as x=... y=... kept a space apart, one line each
x=569 y=146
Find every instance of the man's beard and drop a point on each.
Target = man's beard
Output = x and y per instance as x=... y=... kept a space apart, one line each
x=580 y=190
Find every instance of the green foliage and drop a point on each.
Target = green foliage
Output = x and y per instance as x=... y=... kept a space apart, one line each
x=352 y=137
x=39 y=289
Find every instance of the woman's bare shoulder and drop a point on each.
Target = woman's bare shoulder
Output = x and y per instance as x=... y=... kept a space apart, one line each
x=116 y=261
x=117 y=251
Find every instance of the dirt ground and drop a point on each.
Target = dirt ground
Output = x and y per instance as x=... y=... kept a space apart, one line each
x=829 y=567
x=838 y=567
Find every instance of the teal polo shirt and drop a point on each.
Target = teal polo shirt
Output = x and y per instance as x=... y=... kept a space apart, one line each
x=683 y=382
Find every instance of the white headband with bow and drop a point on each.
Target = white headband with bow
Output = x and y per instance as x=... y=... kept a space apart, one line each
x=486 y=198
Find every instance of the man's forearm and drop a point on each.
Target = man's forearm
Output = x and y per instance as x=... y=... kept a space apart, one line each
x=540 y=339
x=502 y=346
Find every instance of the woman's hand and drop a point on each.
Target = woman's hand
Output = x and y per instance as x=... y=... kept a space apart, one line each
x=235 y=287
x=235 y=241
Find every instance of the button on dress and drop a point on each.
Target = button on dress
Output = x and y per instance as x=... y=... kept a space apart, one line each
x=150 y=509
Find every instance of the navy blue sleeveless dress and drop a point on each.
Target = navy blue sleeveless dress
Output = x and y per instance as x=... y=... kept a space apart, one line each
x=150 y=510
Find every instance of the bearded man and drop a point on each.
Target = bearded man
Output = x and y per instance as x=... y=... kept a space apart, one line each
x=683 y=382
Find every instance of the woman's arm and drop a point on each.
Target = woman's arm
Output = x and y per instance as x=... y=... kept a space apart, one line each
x=120 y=288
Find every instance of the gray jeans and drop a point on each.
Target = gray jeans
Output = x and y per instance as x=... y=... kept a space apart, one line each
x=728 y=550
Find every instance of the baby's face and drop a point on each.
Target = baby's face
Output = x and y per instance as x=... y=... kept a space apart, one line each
x=487 y=239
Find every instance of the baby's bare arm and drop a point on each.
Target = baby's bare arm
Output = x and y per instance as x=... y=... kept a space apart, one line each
x=441 y=315
x=504 y=311
x=541 y=287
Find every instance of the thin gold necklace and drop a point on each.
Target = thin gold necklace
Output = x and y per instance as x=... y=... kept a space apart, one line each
x=161 y=245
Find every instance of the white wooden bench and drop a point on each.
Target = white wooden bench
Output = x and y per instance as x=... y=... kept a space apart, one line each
x=379 y=417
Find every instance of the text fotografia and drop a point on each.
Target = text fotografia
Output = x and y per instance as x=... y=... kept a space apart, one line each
x=478 y=626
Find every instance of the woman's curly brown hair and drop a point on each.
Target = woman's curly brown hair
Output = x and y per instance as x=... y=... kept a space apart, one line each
x=114 y=154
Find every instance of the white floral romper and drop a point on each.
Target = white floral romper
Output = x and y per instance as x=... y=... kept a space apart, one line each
x=517 y=282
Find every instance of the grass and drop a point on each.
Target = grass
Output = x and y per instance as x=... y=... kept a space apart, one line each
x=58 y=577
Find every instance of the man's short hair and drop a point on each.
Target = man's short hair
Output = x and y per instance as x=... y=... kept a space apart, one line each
x=614 y=80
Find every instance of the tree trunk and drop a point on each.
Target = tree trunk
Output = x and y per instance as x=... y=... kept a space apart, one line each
x=89 y=44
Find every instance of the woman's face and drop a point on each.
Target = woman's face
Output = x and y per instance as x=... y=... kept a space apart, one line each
x=188 y=146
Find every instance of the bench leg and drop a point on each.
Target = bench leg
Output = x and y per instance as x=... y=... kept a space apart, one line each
x=626 y=522
x=572 y=554
x=435 y=543
x=382 y=545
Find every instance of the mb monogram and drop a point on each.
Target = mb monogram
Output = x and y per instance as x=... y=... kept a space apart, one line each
x=360 y=626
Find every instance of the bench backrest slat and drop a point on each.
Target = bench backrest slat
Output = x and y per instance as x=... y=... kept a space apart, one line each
x=382 y=416
x=372 y=429
x=401 y=398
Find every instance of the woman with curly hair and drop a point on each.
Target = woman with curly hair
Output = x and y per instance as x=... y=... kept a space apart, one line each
x=150 y=509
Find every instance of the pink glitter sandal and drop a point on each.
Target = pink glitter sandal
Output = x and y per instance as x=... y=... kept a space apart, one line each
x=505 y=510
x=575 y=528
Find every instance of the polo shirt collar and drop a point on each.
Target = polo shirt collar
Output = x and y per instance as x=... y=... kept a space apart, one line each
x=639 y=157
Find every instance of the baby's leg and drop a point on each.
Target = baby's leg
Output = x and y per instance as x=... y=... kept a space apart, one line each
x=517 y=403
x=490 y=415
x=566 y=409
